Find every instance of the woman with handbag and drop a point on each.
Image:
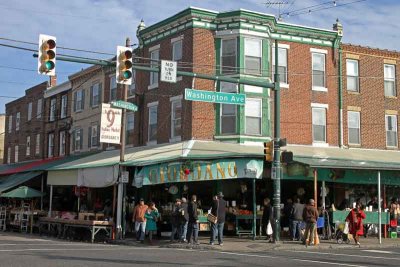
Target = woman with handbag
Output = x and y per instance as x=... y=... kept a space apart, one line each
x=355 y=220
x=267 y=219
x=151 y=216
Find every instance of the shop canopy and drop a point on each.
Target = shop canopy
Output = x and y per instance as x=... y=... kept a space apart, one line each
x=11 y=181
x=23 y=192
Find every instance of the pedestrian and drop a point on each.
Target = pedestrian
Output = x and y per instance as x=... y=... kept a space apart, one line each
x=219 y=211
x=175 y=220
x=193 y=225
x=297 y=219
x=151 y=216
x=287 y=211
x=355 y=220
x=310 y=217
x=184 y=220
x=266 y=219
x=139 y=220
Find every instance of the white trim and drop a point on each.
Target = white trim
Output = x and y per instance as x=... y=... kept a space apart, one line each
x=320 y=89
x=285 y=46
x=152 y=86
x=177 y=97
x=252 y=143
x=240 y=136
x=186 y=149
x=320 y=51
x=244 y=32
x=320 y=144
x=284 y=85
x=318 y=105
x=253 y=89
x=156 y=47
x=176 y=39
x=152 y=104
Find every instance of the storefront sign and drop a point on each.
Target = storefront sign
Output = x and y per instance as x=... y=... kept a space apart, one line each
x=202 y=171
x=110 y=127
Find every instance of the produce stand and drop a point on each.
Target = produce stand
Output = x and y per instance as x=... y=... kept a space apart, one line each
x=249 y=217
x=371 y=217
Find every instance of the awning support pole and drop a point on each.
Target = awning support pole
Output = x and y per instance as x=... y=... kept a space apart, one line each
x=50 y=201
x=41 y=190
x=254 y=210
x=323 y=195
x=379 y=209
x=315 y=188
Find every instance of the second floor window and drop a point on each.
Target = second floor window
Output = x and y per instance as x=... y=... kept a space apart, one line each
x=52 y=116
x=176 y=118
x=10 y=122
x=155 y=56
x=177 y=51
x=79 y=98
x=318 y=70
x=153 y=123
x=77 y=140
x=64 y=106
x=93 y=137
x=253 y=113
x=353 y=122
x=113 y=88
x=61 y=151
x=352 y=75
x=8 y=155
x=319 y=125
x=16 y=154
x=252 y=56
x=17 y=121
x=390 y=80
x=29 y=111
x=228 y=56
x=391 y=130
x=39 y=108
x=50 y=148
x=37 y=145
x=228 y=112
x=28 y=145
x=282 y=64
x=95 y=91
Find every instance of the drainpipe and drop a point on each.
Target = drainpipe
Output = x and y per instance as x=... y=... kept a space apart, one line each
x=340 y=68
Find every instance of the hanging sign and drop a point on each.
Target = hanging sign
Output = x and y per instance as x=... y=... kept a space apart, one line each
x=110 y=126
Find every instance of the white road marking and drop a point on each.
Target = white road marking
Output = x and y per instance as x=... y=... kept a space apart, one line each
x=63 y=249
x=342 y=254
x=379 y=251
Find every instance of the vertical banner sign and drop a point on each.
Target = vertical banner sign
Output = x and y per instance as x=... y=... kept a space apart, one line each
x=168 y=71
x=110 y=126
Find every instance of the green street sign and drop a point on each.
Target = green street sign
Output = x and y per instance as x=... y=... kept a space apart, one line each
x=215 y=97
x=125 y=105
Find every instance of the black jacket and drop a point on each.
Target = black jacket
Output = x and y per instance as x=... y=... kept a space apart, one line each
x=192 y=210
x=184 y=209
x=267 y=214
x=218 y=209
x=175 y=216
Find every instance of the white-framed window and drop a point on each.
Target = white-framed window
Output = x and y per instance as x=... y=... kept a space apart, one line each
x=79 y=100
x=152 y=130
x=282 y=64
x=64 y=106
x=318 y=71
x=228 y=56
x=39 y=108
x=8 y=155
x=16 y=154
x=228 y=112
x=95 y=91
x=390 y=79
x=28 y=146
x=50 y=145
x=53 y=103
x=352 y=75
x=391 y=130
x=353 y=122
x=319 y=125
x=177 y=50
x=37 y=145
x=93 y=137
x=62 y=137
x=17 y=121
x=30 y=111
x=132 y=87
x=155 y=56
x=113 y=88
x=176 y=119
x=252 y=56
x=77 y=139
x=253 y=113
x=10 y=123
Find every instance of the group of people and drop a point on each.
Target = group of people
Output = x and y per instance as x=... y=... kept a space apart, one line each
x=145 y=218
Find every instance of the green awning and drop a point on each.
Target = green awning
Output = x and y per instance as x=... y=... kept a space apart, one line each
x=8 y=182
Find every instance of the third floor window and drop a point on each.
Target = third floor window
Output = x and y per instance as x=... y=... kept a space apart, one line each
x=79 y=103
x=228 y=56
x=177 y=51
x=390 y=80
x=52 y=116
x=318 y=70
x=64 y=106
x=282 y=64
x=252 y=56
x=155 y=56
x=113 y=88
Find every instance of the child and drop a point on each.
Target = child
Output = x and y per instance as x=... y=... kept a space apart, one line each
x=151 y=216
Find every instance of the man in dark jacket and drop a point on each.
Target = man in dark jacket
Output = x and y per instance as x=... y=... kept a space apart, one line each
x=184 y=220
x=176 y=220
x=310 y=217
x=218 y=210
x=193 y=225
x=296 y=218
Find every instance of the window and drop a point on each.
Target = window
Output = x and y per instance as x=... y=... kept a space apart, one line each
x=95 y=91
x=39 y=109
x=93 y=136
x=10 y=119
x=79 y=100
x=390 y=80
x=318 y=70
x=228 y=112
x=154 y=55
x=177 y=51
x=353 y=122
x=252 y=56
x=319 y=124
x=37 y=145
x=28 y=145
x=176 y=118
x=64 y=106
x=29 y=111
x=228 y=56
x=16 y=154
x=153 y=123
x=8 y=155
x=352 y=75
x=130 y=121
x=391 y=130
x=52 y=109
x=282 y=64
x=77 y=140
x=132 y=87
x=253 y=113
x=62 y=143
x=113 y=88
x=50 y=144
x=17 y=121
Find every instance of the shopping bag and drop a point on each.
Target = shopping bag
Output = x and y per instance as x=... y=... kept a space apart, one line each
x=346 y=228
x=211 y=218
x=269 y=229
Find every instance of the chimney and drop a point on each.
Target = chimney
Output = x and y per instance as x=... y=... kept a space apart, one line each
x=338 y=27
x=53 y=81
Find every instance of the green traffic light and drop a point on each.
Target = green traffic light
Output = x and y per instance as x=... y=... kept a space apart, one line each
x=127 y=74
x=49 y=65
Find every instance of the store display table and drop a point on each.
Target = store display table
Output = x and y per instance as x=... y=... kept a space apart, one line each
x=371 y=217
x=250 y=217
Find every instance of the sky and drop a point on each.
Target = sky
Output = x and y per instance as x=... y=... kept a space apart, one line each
x=101 y=25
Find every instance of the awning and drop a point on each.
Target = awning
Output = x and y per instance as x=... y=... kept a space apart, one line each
x=14 y=180
x=63 y=177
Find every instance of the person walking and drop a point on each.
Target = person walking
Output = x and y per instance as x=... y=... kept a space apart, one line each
x=175 y=220
x=151 y=216
x=355 y=220
x=193 y=224
x=297 y=218
x=310 y=217
x=219 y=211
x=139 y=220
x=184 y=220
x=266 y=218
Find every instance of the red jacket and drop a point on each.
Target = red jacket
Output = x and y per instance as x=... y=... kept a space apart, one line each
x=355 y=219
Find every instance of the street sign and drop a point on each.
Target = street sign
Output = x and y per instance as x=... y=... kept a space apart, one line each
x=124 y=104
x=124 y=177
x=110 y=125
x=215 y=97
x=168 y=71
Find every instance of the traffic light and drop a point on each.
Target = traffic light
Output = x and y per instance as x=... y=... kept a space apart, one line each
x=287 y=157
x=47 y=55
x=124 y=65
x=269 y=151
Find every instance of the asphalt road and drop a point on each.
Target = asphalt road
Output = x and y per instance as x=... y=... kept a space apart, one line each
x=18 y=251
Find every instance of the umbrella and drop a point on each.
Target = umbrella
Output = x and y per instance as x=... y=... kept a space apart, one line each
x=23 y=192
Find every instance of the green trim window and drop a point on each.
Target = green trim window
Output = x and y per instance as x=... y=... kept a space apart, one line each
x=353 y=123
x=318 y=70
x=391 y=130
x=113 y=88
x=228 y=112
x=390 y=80
x=282 y=64
x=253 y=113
x=252 y=56
x=319 y=125
x=228 y=56
x=352 y=75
